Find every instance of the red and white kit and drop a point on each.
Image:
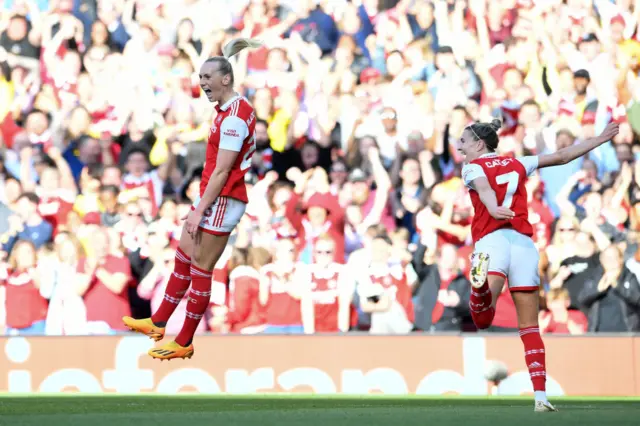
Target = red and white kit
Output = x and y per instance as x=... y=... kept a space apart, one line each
x=282 y=307
x=233 y=130
x=326 y=285
x=508 y=242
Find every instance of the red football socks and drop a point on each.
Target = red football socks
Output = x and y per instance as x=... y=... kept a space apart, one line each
x=176 y=288
x=482 y=312
x=534 y=356
x=199 y=297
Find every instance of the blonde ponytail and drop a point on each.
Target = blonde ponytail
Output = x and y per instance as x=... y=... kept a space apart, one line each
x=237 y=44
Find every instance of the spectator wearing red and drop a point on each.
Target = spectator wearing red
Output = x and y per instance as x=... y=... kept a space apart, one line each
x=103 y=283
x=246 y=315
x=21 y=303
x=313 y=211
x=57 y=191
x=139 y=182
x=385 y=291
x=558 y=319
x=280 y=291
x=327 y=292
x=540 y=214
x=374 y=204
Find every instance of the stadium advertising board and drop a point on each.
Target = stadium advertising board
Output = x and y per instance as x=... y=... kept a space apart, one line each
x=395 y=365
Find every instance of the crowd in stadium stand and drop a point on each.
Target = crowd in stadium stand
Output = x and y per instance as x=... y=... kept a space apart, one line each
x=360 y=104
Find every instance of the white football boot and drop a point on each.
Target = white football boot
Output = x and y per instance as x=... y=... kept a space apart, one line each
x=479 y=269
x=544 y=407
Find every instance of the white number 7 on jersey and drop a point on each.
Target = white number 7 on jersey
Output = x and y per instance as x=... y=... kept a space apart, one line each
x=511 y=179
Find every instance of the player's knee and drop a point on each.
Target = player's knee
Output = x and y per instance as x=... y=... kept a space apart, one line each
x=198 y=258
x=483 y=322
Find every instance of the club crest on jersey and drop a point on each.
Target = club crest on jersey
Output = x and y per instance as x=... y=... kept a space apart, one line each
x=215 y=125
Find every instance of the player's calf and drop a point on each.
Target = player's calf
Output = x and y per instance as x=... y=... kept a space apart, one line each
x=534 y=356
x=480 y=302
x=178 y=284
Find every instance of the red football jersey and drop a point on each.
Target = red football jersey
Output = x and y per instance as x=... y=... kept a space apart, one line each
x=325 y=292
x=395 y=280
x=233 y=129
x=54 y=208
x=507 y=177
x=244 y=307
x=282 y=308
x=24 y=303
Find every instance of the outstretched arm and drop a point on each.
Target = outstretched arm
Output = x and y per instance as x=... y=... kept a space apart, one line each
x=568 y=154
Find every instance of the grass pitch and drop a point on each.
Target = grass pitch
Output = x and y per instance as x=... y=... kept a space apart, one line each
x=267 y=410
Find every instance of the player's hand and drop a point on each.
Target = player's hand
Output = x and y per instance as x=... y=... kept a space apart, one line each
x=192 y=221
x=502 y=213
x=609 y=132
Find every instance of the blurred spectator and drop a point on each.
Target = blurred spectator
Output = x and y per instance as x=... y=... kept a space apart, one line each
x=385 y=291
x=313 y=211
x=24 y=309
x=67 y=314
x=103 y=281
x=442 y=290
x=612 y=299
x=246 y=315
x=27 y=224
x=558 y=319
x=280 y=291
x=327 y=291
x=577 y=268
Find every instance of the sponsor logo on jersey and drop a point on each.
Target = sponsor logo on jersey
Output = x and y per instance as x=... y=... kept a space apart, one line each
x=232 y=133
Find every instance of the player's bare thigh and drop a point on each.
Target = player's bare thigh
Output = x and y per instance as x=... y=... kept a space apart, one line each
x=527 y=307
x=207 y=249
x=186 y=242
x=496 y=283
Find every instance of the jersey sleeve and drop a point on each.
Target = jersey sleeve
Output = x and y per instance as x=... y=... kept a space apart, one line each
x=233 y=132
x=471 y=172
x=530 y=163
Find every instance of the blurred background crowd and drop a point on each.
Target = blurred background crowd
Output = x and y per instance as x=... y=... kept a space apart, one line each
x=356 y=176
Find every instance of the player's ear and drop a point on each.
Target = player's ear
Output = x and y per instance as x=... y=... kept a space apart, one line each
x=226 y=79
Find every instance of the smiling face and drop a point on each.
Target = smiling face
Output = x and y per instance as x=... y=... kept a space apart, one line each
x=213 y=81
x=470 y=147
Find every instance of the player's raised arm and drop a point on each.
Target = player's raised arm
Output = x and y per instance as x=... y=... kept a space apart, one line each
x=568 y=154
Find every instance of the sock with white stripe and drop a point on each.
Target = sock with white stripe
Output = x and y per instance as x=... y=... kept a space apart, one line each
x=480 y=302
x=534 y=357
x=199 y=297
x=177 y=286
